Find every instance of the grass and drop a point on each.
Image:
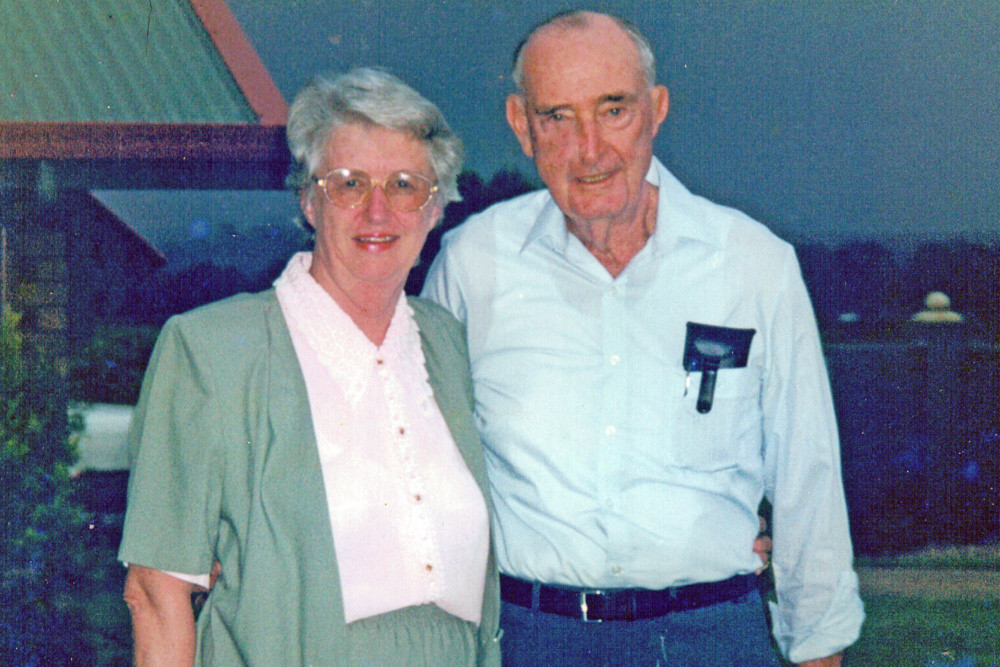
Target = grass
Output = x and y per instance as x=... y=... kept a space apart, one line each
x=904 y=632
x=974 y=557
x=910 y=631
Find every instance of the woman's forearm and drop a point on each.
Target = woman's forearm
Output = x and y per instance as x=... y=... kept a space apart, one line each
x=162 y=618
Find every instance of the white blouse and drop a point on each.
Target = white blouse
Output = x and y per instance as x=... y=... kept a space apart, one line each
x=409 y=522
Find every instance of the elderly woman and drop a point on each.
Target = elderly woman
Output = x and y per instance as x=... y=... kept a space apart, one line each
x=316 y=439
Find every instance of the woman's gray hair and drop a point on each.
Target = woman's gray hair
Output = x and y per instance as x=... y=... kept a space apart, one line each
x=577 y=19
x=374 y=97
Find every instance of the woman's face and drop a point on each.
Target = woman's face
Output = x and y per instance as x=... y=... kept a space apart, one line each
x=373 y=244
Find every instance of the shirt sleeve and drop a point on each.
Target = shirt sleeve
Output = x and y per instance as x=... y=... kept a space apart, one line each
x=172 y=515
x=819 y=611
x=442 y=284
x=203 y=580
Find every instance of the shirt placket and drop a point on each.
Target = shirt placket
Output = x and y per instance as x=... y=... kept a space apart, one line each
x=425 y=548
x=613 y=424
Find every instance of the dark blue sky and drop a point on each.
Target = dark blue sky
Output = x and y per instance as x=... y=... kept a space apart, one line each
x=825 y=119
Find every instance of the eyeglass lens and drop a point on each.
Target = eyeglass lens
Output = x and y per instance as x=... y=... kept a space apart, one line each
x=403 y=190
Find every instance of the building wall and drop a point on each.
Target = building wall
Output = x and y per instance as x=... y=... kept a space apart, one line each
x=37 y=272
x=69 y=263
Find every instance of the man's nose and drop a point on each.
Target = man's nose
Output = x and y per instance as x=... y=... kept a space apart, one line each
x=589 y=140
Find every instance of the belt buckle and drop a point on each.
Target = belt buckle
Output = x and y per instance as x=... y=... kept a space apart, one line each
x=584 y=607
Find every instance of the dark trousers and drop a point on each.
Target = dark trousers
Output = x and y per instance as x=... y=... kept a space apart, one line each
x=728 y=634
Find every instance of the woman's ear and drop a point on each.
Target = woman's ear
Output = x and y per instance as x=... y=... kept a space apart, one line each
x=306 y=204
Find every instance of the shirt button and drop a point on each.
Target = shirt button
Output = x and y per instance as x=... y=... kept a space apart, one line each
x=417 y=497
x=609 y=430
x=616 y=570
x=615 y=359
x=428 y=567
x=402 y=430
x=379 y=362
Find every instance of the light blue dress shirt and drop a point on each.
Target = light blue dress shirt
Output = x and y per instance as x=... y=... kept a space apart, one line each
x=603 y=473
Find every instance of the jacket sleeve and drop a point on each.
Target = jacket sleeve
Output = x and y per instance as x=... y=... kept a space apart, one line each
x=174 y=493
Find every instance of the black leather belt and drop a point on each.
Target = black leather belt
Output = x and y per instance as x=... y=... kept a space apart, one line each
x=625 y=604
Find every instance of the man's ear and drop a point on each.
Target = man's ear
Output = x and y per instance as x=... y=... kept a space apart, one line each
x=661 y=105
x=517 y=118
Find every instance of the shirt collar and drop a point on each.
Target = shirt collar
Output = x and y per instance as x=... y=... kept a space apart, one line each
x=678 y=215
x=550 y=226
x=341 y=346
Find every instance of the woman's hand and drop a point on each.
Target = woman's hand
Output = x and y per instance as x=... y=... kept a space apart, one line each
x=162 y=617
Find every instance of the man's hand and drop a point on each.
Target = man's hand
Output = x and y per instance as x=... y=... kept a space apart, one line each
x=762 y=546
x=831 y=661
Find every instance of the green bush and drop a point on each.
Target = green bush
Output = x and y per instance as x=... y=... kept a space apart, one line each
x=52 y=579
x=109 y=369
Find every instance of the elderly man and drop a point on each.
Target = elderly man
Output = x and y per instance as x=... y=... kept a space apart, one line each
x=621 y=495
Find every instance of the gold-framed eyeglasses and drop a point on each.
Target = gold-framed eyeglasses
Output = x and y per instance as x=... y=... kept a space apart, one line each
x=350 y=188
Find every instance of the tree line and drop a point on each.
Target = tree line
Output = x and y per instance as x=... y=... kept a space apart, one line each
x=866 y=281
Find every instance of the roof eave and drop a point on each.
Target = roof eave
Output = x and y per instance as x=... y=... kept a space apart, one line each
x=244 y=63
x=150 y=156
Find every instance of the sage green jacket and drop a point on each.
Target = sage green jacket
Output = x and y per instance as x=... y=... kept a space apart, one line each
x=225 y=467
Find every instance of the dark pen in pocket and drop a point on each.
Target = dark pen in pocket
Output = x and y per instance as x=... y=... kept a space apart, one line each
x=709 y=348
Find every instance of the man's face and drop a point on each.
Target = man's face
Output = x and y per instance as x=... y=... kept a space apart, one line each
x=588 y=118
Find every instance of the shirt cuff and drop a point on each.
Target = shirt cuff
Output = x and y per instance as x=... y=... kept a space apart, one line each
x=196 y=579
x=838 y=628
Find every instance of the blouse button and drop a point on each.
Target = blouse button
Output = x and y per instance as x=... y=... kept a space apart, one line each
x=428 y=567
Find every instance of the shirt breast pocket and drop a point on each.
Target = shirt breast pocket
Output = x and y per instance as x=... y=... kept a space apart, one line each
x=728 y=434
